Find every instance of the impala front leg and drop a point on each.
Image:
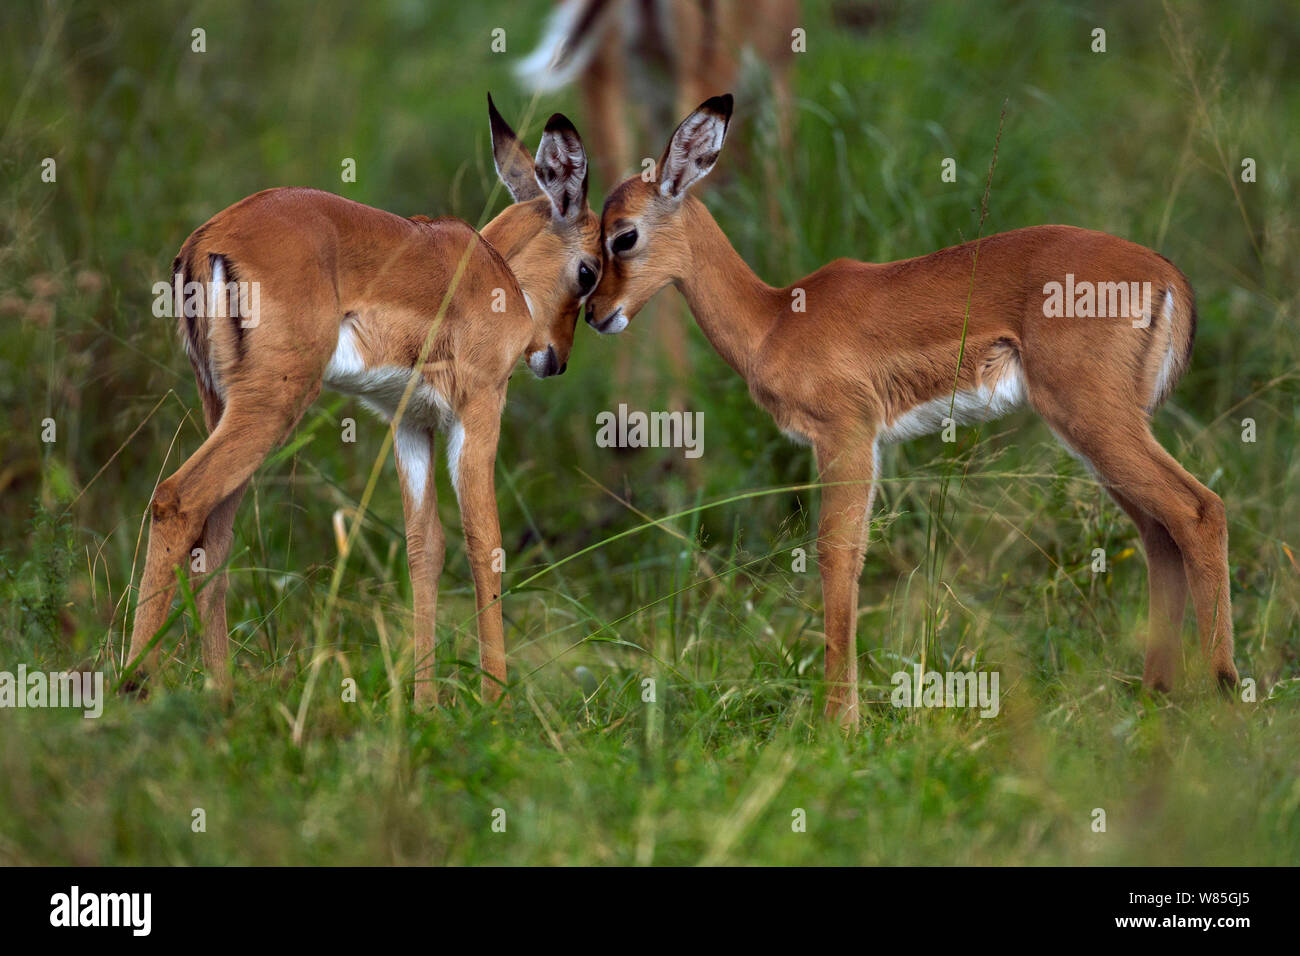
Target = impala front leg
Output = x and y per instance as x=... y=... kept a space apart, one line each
x=846 y=472
x=473 y=465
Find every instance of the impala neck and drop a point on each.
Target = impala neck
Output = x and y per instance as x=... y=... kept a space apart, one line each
x=733 y=307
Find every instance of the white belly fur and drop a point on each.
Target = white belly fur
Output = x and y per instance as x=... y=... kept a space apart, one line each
x=968 y=406
x=380 y=389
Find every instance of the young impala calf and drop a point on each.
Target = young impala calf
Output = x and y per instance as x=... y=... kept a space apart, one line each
x=876 y=354
x=349 y=297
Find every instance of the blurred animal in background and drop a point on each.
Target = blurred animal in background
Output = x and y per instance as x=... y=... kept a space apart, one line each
x=621 y=52
x=641 y=64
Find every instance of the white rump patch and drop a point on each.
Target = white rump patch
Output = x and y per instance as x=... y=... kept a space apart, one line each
x=203 y=364
x=215 y=288
x=1167 y=363
x=970 y=405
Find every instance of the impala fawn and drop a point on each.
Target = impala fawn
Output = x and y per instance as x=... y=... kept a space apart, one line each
x=883 y=352
x=353 y=298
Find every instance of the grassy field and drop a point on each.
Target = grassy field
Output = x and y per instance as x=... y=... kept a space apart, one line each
x=982 y=550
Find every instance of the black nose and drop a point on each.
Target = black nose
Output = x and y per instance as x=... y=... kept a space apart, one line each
x=562 y=368
x=552 y=360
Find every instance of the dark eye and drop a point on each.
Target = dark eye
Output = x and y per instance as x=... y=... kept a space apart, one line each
x=624 y=241
x=586 y=278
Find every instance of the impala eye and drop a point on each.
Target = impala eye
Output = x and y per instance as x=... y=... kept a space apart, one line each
x=624 y=241
x=586 y=278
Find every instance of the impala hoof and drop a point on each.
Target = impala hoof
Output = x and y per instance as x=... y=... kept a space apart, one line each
x=134 y=688
x=1227 y=681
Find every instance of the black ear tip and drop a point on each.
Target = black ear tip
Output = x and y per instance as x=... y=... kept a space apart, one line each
x=496 y=122
x=722 y=105
x=559 y=123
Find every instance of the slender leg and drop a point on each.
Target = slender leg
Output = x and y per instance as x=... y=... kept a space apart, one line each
x=604 y=92
x=425 y=548
x=1168 y=585
x=673 y=331
x=846 y=471
x=218 y=534
x=1129 y=459
x=476 y=490
x=783 y=105
x=773 y=158
x=183 y=503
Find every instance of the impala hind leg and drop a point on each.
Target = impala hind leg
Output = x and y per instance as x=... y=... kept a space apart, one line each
x=210 y=587
x=426 y=549
x=1130 y=460
x=218 y=535
x=846 y=473
x=183 y=504
x=1168 y=588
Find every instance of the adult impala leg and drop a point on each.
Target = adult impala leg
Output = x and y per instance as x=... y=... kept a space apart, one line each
x=604 y=93
x=846 y=472
x=1168 y=587
x=425 y=548
x=476 y=491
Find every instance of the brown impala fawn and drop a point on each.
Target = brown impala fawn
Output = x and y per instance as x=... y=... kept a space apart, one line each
x=353 y=298
x=876 y=354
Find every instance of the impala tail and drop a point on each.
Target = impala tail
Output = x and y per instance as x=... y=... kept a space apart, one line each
x=214 y=312
x=566 y=48
x=1173 y=321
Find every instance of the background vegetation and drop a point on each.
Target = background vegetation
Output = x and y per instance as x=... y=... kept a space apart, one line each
x=981 y=551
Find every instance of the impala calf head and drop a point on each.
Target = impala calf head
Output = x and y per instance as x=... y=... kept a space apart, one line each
x=549 y=236
x=643 y=225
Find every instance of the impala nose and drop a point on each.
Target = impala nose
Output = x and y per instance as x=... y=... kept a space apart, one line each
x=611 y=324
x=545 y=364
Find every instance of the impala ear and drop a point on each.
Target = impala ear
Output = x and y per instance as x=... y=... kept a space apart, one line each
x=694 y=148
x=514 y=164
x=561 y=168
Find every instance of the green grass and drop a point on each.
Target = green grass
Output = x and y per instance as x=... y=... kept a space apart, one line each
x=980 y=554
